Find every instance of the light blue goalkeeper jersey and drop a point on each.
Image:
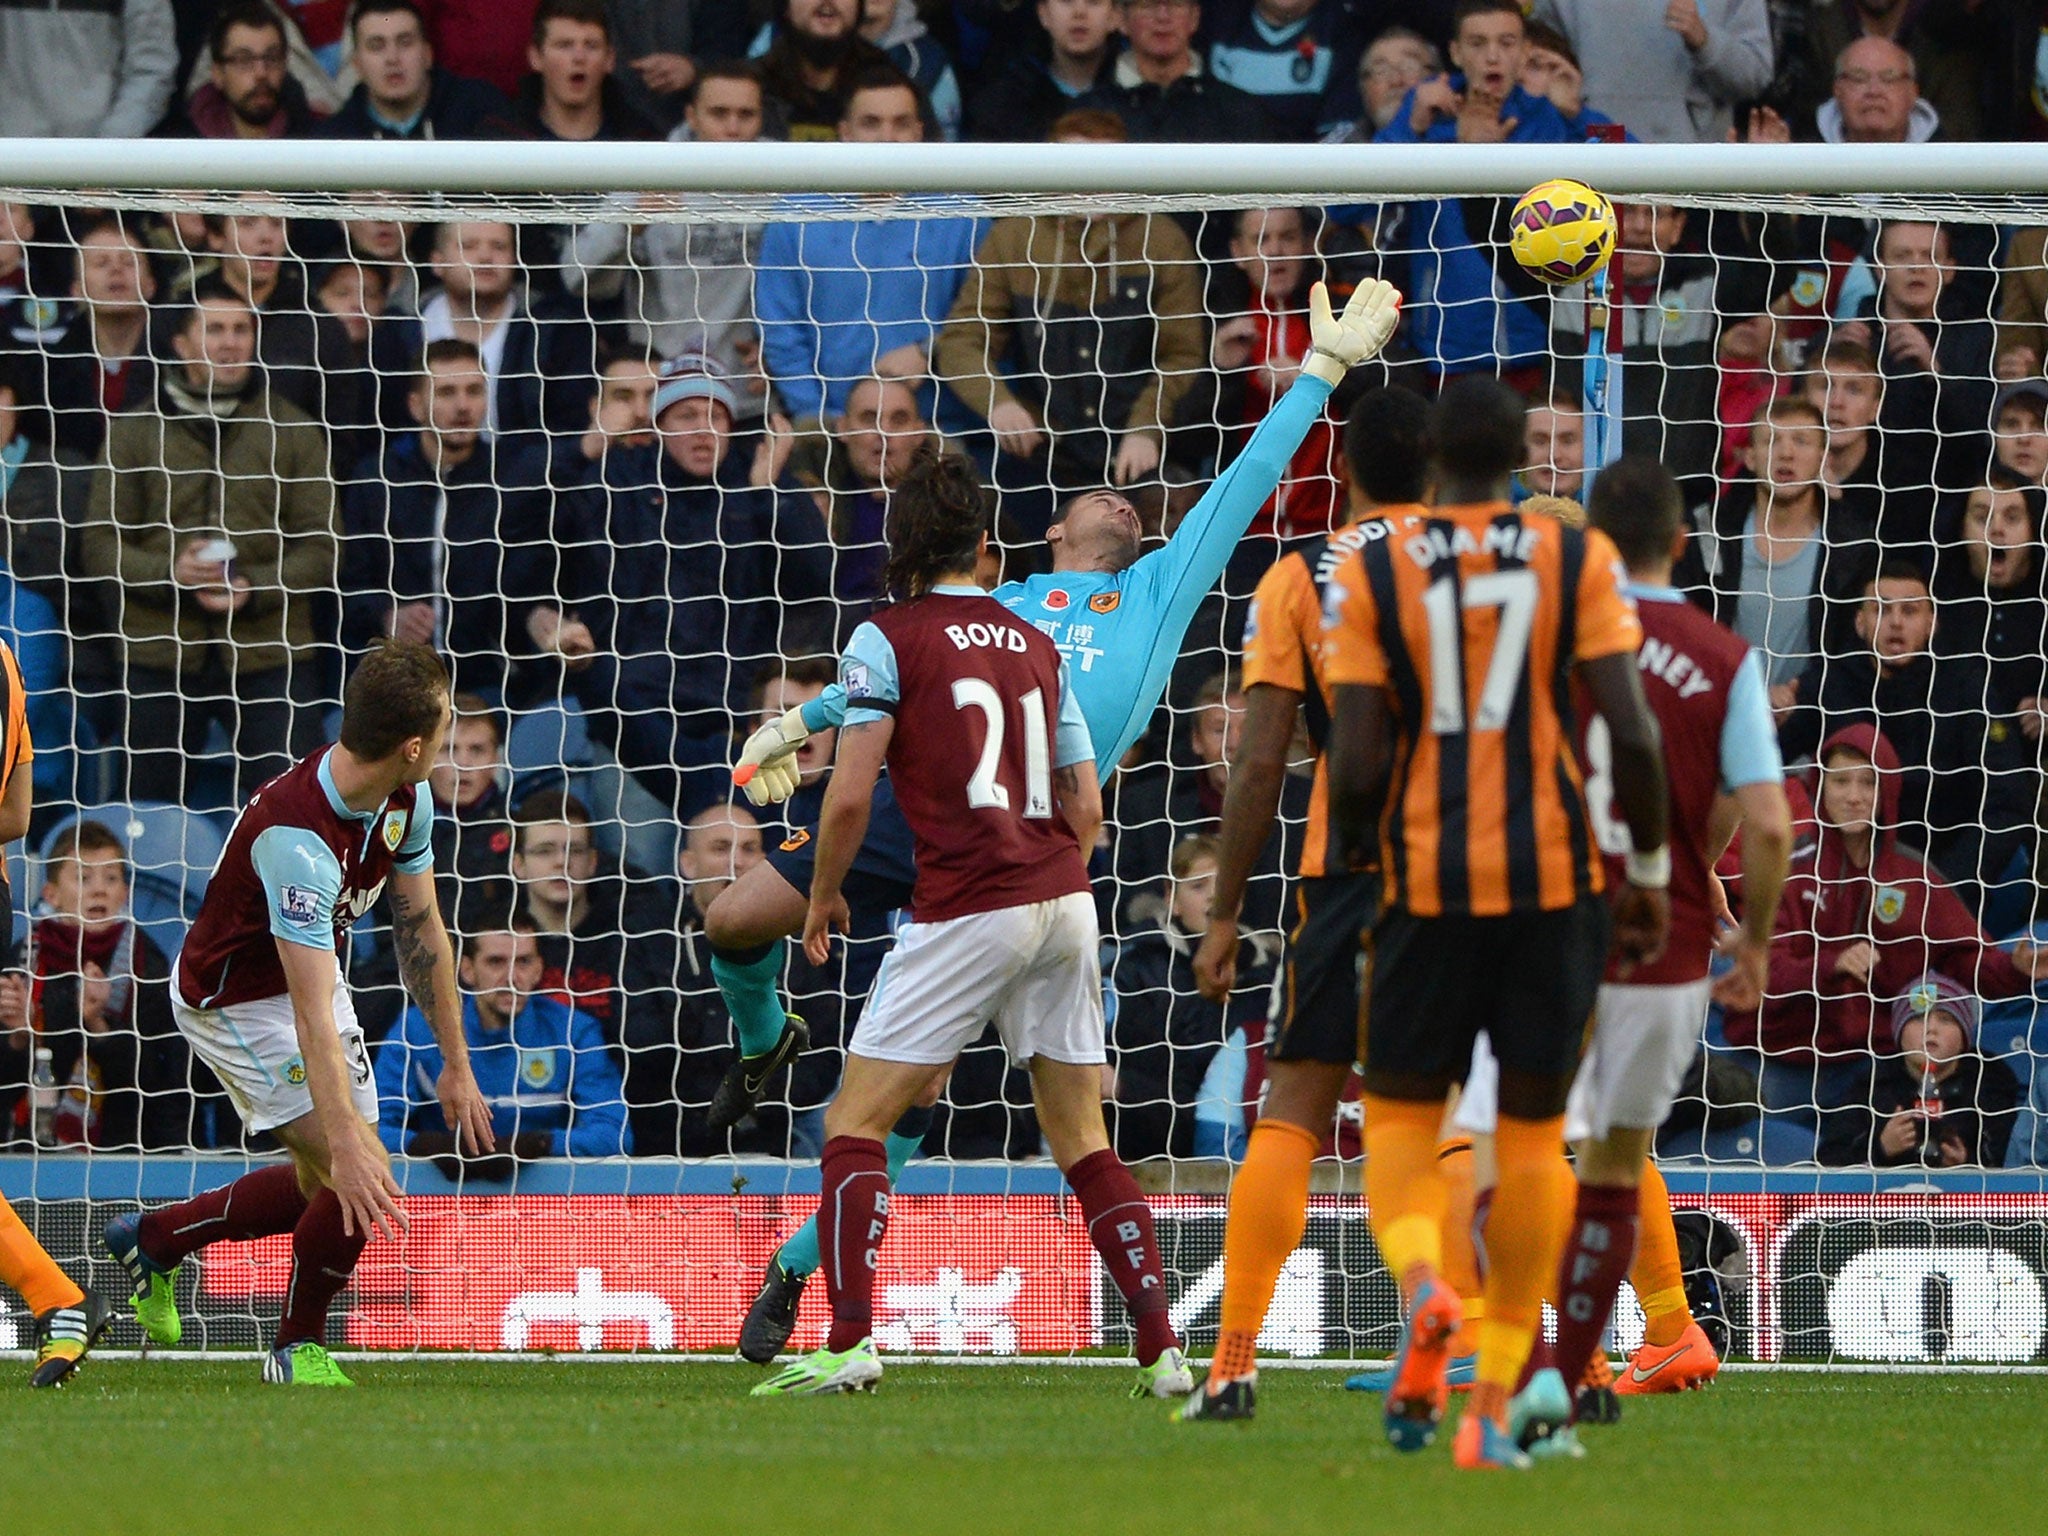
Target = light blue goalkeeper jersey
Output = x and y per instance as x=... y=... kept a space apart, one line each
x=1121 y=631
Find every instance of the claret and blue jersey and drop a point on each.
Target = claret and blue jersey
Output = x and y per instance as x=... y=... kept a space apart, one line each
x=300 y=867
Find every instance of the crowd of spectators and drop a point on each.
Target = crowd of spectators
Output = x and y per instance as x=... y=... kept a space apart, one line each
x=631 y=476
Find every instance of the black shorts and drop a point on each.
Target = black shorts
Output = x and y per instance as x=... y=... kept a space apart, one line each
x=1318 y=1015
x=1529 y=980
x=884 y=870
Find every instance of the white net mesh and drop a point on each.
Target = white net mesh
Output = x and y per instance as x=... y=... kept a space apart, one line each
x=229 y=470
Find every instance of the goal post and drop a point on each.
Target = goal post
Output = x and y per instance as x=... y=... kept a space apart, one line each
x=623 y=612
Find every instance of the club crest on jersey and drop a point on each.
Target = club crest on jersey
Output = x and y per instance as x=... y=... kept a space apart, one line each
x=1891 y=903
x=394 y=830
x=298 y=904
x=795 y=840
x=1057 y=599
x=1104 y=602
x=853 y=677
x=536 y=1068
x=295 y=1071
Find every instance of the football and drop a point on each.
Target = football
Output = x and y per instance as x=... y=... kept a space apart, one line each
x=1562 y=231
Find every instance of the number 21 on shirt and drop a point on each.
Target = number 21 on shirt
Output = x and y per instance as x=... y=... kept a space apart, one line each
x=985 y=789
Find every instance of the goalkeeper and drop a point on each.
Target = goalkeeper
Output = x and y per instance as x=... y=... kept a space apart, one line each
x=1119 y=620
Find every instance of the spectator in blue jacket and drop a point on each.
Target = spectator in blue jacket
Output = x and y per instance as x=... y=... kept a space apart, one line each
x=840 y=300
x=553 y=1087
x=680 y=577
x=1469 y=320
x=445 y=534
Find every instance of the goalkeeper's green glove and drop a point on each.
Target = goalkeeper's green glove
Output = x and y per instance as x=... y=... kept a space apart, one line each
x=1339 y=343
x=767 y=768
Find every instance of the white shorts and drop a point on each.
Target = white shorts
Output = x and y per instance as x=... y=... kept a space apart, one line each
x=1643 y=1041
x=1035 y=970
x=253 y=1049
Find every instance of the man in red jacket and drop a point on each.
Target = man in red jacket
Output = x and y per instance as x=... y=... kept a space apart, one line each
x=1860 y=918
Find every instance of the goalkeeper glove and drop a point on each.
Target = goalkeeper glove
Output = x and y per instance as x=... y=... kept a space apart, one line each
x=767 y=768
x=1340 y=343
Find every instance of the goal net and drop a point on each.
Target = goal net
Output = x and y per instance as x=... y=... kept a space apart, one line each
x=625 y=458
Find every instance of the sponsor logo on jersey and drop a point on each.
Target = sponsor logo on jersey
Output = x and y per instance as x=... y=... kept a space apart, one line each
x=1104 y=602
x=854 y=678
x=795 y=840
x=394 y=829
x=1891 y=903
x=295 y=1071
x=536 y=1068
x=298 y=904
x=1057 y=599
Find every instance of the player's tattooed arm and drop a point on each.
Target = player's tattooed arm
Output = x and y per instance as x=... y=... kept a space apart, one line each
x=422 y=944
x=426 y=963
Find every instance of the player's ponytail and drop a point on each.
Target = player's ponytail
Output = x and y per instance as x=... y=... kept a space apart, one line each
x=937 y=515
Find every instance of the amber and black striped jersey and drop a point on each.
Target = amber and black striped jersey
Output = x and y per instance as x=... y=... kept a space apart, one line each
x=17 y=751
x=1472 y=622
x=1283 y=645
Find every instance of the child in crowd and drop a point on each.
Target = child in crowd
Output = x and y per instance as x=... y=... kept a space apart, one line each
x=1938 y=1101
x=1179 y=1058
x=93 y=989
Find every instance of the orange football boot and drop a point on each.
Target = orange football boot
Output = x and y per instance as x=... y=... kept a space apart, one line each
x=1682 y=1367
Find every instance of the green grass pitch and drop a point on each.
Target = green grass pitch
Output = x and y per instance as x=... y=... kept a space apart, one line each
x=497 y=1449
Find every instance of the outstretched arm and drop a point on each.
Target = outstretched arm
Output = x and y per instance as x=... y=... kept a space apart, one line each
x=1181 y=574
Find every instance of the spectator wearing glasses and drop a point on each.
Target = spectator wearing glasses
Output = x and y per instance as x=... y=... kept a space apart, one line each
x=1396 y=61
x=1956 y=53
x=249 y=92
x=1163 y=91
x=1877 y=98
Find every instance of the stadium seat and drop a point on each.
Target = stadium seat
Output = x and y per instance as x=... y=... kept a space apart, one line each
x=542 y=743
x=1768 y=1141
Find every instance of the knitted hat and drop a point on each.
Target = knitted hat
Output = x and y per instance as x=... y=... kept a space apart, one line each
x=689 y=375
x=1934 y=991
